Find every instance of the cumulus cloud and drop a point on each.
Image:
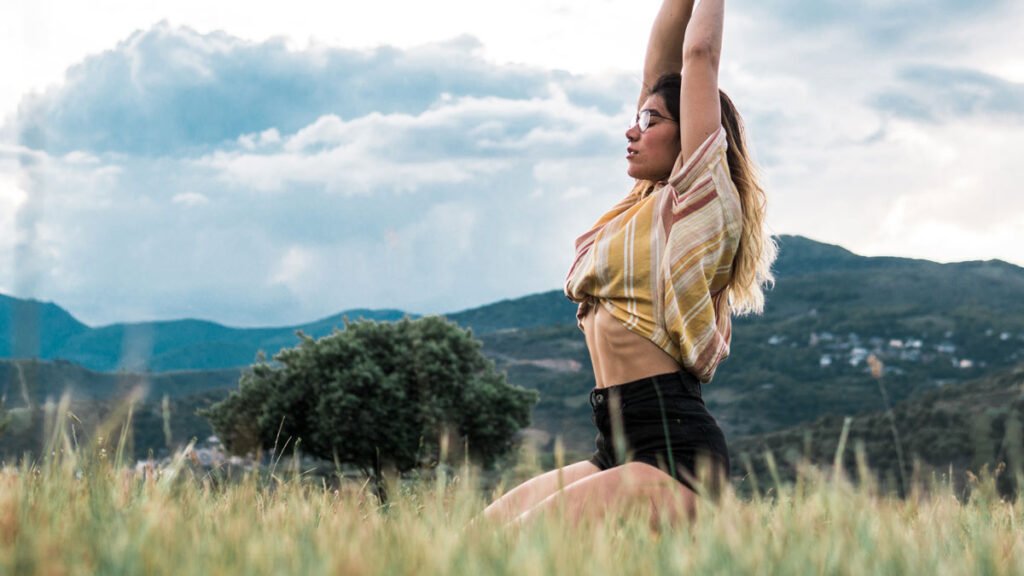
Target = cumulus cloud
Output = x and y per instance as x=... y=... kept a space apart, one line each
x=200 y=175
x=458 y=141
x=190 y=199
x=186 y=174
x=880 y=24
x=941 y=94
x=859 y=111
x=170 y=90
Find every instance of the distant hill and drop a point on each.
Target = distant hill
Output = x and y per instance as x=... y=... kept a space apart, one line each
x=31 y=382
x=48 y=332
x=30 y=328
x=964 y=426
x=27 y=385
x=933 y=325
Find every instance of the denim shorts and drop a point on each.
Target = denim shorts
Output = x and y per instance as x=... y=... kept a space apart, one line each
x=664 y=423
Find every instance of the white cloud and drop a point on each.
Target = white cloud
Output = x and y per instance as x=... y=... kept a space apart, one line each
x=79 y=157
x=293 y=267
x=321 y=178
x=427 y=207
x=39 y=41
x=266 y=138
x=146 y=98
x=455 y=142
x=190 y=199
x=12 y=198
x=341 y=171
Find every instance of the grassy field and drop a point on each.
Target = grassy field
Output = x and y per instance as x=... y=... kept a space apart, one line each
x=80 y=512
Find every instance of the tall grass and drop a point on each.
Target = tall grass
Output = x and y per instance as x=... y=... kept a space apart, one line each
x=79 y=510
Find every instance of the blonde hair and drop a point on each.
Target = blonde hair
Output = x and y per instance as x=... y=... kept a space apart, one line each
x=751 y=270
x=757 y=249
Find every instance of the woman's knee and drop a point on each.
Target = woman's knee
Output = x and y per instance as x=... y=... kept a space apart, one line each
x=536 y=489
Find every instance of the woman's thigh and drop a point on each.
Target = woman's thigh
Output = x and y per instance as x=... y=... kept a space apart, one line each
x=530 y=493
x=622 y=486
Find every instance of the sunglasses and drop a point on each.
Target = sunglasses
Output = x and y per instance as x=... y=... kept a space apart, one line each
x=643 y=119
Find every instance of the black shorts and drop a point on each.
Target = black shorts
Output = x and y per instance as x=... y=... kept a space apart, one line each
x=663 y=423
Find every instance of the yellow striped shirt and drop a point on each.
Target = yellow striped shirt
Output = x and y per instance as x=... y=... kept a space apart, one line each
x=659 y=260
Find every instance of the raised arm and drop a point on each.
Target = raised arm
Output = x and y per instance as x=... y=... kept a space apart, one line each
x=665 y=47
x=700 y=107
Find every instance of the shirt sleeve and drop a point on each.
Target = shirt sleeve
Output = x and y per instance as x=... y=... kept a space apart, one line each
x=697 y=265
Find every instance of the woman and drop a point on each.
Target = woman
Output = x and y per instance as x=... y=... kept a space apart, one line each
x=657 y=279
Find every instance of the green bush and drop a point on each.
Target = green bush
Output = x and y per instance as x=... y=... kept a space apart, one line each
x=377 y=395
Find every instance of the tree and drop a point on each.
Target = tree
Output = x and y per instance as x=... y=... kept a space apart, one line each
x=377 y=395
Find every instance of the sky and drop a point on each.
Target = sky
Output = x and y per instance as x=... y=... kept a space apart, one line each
x=264 y=164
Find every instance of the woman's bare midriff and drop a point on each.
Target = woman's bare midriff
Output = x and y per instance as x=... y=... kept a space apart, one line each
x=619 y=355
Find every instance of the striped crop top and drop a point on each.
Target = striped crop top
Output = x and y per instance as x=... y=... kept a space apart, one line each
x=660 y=260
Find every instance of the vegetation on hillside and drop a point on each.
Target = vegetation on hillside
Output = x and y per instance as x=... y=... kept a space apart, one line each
x=956 y=429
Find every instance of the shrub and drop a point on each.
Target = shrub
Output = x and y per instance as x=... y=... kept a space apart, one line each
x=377 y=395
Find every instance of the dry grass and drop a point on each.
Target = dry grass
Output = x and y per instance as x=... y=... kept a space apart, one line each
x=79 y=511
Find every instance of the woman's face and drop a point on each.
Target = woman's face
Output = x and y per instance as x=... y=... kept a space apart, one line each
x=652 y=154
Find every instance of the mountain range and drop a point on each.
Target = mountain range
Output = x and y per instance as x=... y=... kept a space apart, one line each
x=930 y=325
x=43 y=330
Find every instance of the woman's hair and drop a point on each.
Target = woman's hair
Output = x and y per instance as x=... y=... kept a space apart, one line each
x=757 y=249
